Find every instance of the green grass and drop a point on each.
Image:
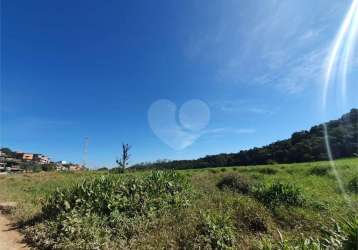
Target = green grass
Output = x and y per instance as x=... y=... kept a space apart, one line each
x=218 y=218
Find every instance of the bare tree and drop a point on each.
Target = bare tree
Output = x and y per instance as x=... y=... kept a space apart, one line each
x=123 y=162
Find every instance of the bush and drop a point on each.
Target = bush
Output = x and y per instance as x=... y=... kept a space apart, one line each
x=213 y=171
x=279 y=194
x=70 y=231
x=270 y=171
x=252 y=216
x=320 y=171
x=107 y=207
x=353 y=185
x=235 y=183
x=130 y=195
x=216 y=231
x=223 y=169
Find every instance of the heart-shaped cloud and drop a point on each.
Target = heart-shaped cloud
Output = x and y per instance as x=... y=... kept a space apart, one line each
x=194 y=116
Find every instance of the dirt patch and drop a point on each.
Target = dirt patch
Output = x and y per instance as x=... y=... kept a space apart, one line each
x=10 y=238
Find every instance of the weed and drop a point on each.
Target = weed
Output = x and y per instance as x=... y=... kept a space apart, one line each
x=213 y=171
x=320 y=170
x=236 y=183
x=216 y=230
x=350 y=228
x=108 y=206
x=279 y=194
x=252 y=216
x=269 y=171
x=353 y=185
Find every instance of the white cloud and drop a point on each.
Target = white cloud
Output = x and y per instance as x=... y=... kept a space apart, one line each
x=298 y=74
x=243 y=107
x=229 y=131
x=278 y=43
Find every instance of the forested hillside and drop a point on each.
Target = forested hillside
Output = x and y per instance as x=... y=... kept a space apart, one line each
x=303 y=146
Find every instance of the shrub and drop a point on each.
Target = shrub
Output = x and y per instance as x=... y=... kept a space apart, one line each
x=279 y=194
x=223 y=169
x=270 y=171
x=70 y=231
x=130 y=195
x=320 y=171
x=213 y=171
x=353 y=185
x=216 y=231
x=236 y=183
x=112 y=206
x=252 y=216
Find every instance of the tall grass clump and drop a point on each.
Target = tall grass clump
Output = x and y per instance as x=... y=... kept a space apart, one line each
x=268 y=171
x=353 y=185
x=116 y=208
x=320 y=171
x=235 y=183
x=350 y=229
x=279 y=194
x=252 y=216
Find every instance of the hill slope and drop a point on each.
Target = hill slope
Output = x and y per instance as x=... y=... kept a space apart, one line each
x=301 y=147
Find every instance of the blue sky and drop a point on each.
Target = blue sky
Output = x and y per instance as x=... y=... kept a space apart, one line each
x=76 y=69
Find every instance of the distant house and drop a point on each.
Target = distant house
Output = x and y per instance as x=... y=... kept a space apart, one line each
x=75 y=167
x=38 y=158
x=69 y=167
x=24 y=156
x=42 y=159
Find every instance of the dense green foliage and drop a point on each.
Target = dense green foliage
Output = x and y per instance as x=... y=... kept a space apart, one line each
x=279 y=194
x=216 y=231
x=301 y=147
x=105 y=208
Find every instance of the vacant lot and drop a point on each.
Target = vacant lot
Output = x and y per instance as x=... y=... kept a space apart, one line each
x=259 y=207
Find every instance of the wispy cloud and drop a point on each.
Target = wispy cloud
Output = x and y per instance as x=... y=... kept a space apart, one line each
x=277 y=43
x=238 y=131
x=243 y=107
x=311 y=34
x=300 y=72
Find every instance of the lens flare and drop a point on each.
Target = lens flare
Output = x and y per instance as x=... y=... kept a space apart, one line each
x=337 y=67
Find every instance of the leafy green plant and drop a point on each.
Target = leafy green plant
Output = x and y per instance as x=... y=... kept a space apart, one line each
x=116 y=204
x=216 y=230
x=279 y=194
x=236 y=183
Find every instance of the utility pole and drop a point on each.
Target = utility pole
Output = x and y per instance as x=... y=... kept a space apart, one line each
x=85 y=151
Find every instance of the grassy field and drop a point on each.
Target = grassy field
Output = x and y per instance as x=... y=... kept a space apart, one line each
x=256 y=207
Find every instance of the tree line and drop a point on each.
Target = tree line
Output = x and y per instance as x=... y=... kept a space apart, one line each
x=303 y=146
